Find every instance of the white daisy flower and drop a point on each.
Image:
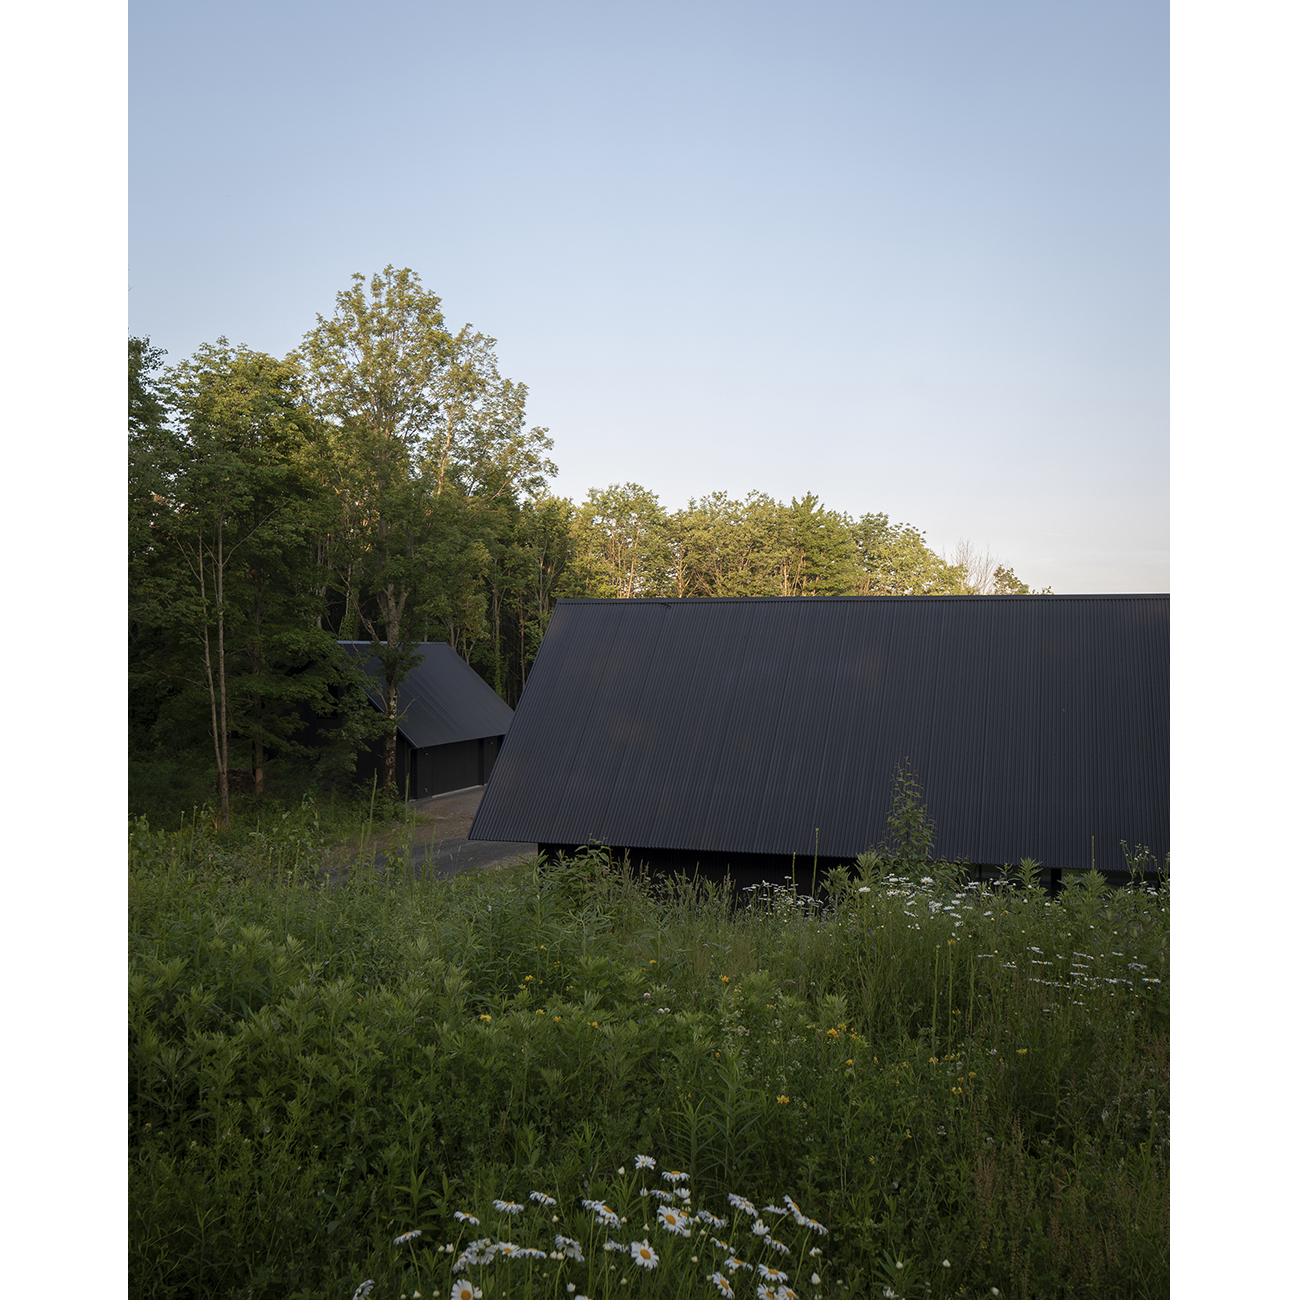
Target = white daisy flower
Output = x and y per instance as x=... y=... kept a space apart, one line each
x=759 y=1228
x=541 y=1198
x=710 y=1219
x=734 y=1263
x=465 y=1290
x=614 y=1245
x=741 y=1204
x=674 y=1221
x=675 y=1176
x=643 y=1253
x=509 y=1207
x=769 y=1274
x=645 y=1162
x=364 y=1289
x=407 y=1236
x=774 y=1209
x=661 y=1195
x=778 y=1246
x=466 y=1218
x=722 y=1285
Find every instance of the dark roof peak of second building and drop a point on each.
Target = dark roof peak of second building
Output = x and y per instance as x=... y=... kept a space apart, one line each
x=442 y=699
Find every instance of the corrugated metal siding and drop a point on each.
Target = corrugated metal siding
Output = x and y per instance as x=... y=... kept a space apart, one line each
x=443 y=699
x=1035 y=723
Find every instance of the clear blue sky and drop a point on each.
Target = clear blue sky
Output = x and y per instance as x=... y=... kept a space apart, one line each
x=911 y=257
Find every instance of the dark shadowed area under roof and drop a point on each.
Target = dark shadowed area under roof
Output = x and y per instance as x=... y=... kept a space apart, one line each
x=1038 y=725
x=442 y=700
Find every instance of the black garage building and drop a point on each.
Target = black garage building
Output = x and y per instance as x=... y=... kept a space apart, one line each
x=451 y=723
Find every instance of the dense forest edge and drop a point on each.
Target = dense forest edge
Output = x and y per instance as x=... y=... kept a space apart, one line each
x=381 y=483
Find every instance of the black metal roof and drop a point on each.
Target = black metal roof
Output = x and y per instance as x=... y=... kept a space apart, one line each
x=1036 y=724
x=442 y=699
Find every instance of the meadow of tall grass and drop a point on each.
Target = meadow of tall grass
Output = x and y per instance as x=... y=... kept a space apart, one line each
x=965 y=1086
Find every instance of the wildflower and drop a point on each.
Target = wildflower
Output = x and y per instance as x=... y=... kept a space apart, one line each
x=675 y=1176
x=773 y=1209
x=541 y=1198
x=674 y=1221
x=466 y=1218
x=486 y=1019
x=889 y=1293
x=782 y=1100
x=784 y=1293
x=769 y=1274
x=794 y=1210
x=765 y=1292
x=364 y=1289
x=722 y=1285
x=816 y=1227
x=463 y=1290
x=897 y=1263
x=735 y=1263
x=726 y=979
x=865 y=889
x=816 y=1250
x=759 y=1228
x=509 y=1207
x=710 y=1219
x=644 y=1162
x=778 y=1246
x=406 y=1236
x=643 y=1253
x=681 y=1193
x=947 y=1263
x=571 y=1248
x=660 y=1194
x=572 y=1286
x=614 y=1245
x=621 y=1170
x=816 y=1281
x=741 y=1204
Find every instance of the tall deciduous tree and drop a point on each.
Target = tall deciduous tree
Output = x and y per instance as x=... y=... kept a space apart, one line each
x=234 y=516
x=620 y=545
x=429 y=434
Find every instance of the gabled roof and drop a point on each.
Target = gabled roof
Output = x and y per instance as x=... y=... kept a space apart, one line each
x=442 y=700
x=1036 y=724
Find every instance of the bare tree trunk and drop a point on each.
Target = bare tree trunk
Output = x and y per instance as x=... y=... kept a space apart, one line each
x=223 y=772
x=223 y=780
x=390 y=741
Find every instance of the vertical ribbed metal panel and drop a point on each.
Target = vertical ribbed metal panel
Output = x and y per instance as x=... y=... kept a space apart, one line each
x=1036 y=725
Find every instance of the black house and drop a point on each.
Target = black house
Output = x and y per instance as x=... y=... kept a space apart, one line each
x=451 y=723
x=738 y=733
